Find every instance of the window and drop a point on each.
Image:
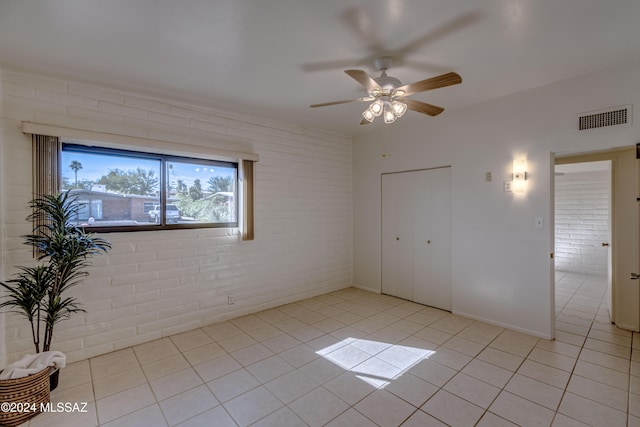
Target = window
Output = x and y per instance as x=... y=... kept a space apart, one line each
x=127 y=190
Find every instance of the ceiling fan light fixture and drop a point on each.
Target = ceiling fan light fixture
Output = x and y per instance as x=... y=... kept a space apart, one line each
x=399 y=108
x=376 y=107
x=368 y=115
x=389 y=115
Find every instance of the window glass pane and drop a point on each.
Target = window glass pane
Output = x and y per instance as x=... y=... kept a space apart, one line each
x=202 y=192
x=113 y=190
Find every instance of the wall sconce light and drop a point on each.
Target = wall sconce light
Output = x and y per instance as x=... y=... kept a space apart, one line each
x=519 y=175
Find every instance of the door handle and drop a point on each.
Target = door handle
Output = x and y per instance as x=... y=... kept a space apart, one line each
x=604 y=245
x=634 y=276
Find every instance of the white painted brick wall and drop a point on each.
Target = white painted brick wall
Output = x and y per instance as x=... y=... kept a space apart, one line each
x=153 y=284
x=582 y=204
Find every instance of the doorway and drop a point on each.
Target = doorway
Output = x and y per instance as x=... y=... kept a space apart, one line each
x=582 y=260
x=583 y=269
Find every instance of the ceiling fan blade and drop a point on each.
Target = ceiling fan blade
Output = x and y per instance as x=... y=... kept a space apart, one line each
x=443 y=80
x=365 y=122
x=422 y=107
x=346 y=101
x=364 y=79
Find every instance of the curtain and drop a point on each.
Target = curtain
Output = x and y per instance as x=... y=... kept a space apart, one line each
x=247 y=199
x=46 y=165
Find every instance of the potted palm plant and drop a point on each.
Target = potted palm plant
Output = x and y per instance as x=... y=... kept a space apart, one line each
x=62 y=249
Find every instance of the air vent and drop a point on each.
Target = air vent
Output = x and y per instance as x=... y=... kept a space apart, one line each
x=609 y=117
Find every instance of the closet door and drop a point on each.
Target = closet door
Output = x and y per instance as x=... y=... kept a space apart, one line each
x=432 y=247
x=397 y=238
x=416 y=236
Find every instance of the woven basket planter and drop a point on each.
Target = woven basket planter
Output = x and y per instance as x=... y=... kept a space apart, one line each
x=20 y=393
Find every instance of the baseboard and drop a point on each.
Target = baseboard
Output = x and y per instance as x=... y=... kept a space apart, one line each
x=504 y=325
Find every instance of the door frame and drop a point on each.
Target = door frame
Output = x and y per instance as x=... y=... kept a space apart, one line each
x=615 y=155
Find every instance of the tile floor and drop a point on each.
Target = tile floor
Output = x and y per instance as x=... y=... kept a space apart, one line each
x=353 y=358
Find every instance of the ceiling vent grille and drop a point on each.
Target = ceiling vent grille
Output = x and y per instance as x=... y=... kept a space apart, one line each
x=610 y=117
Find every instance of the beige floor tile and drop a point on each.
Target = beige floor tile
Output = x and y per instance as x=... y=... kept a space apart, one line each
x=68 y=419
x=189 y=340
x=562 y=420
x=535 y=391
x=554 y=360
x=321 y=370
x=236 y=342
x=501 y=358
x=513 y=346
x=490 y=419
x=281 y=418
x=188 y=404
x=219 y=414
x=350 y=418
x=544 y=373
x=155 y=350
x=559 y=347
x=401 y=355
x=299 y=355
x=151 y=416
x=422 y=419
x=251 y=354
x=204 y=353
x=384 y=408
x=175 y=383
x=291 y=386
x=264 y=333
x=488 y=373
x=216 y=368
x=451 y=324
x=125 y=402
x=233 y=385
x=601 y=374
x=450 y=358
x=112 y=363
x=606 y=360
x=270 y=368
x=74 y=374
x=607 y=347
x=112 y=384
x=350 y=388
x=411 y=389
x=602 y=393
x=452 y=410
x=464 y=346
x=318 y=407
x=591 y=412
x=253 y=405
x=166 y=366
x=222 y=330
x=473 y=390
x=281 y=343
x=521 y=411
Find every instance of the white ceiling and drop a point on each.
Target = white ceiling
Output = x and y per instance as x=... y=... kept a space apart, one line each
x=272 y=58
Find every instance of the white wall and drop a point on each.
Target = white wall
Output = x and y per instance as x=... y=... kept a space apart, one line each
x=501 y=263
x=154 y=284
x=582 y=222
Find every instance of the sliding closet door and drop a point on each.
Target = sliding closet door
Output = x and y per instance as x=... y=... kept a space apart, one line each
x=397 y=239
x=416 y=236
x=432 y=253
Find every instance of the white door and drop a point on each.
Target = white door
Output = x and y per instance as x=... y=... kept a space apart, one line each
x=416 y=236
x=432 y=253
x=397 y=246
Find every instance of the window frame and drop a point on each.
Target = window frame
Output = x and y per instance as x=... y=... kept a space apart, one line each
x=163 y=159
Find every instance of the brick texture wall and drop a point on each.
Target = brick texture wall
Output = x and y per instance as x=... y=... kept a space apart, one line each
x=154 y=284
x=582 y=204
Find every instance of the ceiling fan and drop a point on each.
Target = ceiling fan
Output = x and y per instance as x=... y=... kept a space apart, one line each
x=390 y=97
